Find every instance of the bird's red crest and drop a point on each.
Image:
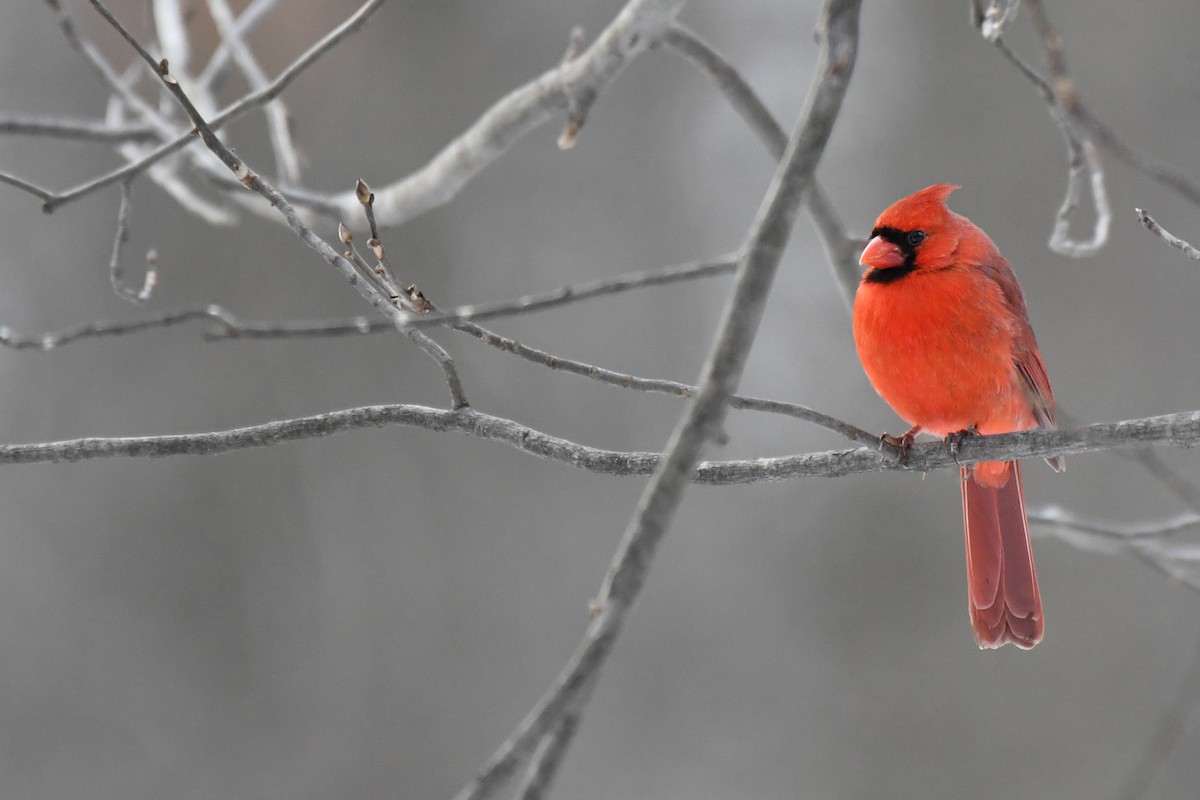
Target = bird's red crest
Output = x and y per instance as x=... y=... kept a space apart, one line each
x=919 y=209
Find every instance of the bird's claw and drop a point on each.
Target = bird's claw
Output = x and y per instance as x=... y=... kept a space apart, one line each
x=954 y=440
x=899 y=445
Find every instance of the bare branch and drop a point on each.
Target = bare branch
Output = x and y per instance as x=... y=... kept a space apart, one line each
x=573 y=85
x=1060 y=238
x=124 y=96
x=100 y=330
x=838 y=31
x=1167 y=236
x=256 y=183
x=255 y=13
x=1082 y=159
x=53 y=200
x=843 y=250
x=83 y=129
x=116 y=273
x=543 y=766
x=1152 y=543
x=1176 y=430
x=1068 y=94
x=573 y=293
x=287 y=159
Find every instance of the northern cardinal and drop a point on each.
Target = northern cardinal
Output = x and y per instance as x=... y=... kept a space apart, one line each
x=943 y=335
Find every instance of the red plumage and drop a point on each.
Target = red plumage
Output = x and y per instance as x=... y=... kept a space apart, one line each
x=944 y=336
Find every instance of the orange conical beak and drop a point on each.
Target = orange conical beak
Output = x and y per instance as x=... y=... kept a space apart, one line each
x=881 y=254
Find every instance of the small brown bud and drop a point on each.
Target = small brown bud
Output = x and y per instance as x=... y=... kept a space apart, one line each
x=363 y=192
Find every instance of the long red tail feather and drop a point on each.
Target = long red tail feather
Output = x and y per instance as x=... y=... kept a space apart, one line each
x=1002 y=586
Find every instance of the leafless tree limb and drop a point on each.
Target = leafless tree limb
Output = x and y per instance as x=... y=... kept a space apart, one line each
x=1072 y=104
x=99 y=330
x=287 y=159
x=83 y=129
x=842 y=249
x=838 y=32
x=1082 y=161
x=1167 y=236
x=571 y=86
x=54 y=200
x=116 y=273
x=1176 y=430
x=259 y=185
x=247 y=21
x=1154 y=543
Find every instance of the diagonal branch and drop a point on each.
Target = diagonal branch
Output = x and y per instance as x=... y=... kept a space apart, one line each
x=251 y=180
x=53 y=200
x=571 y=86
x=1168 y=237
x=768 y=235
x=842 y=249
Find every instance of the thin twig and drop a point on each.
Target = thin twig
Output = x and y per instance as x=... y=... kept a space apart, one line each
x=1153 y=543
x=259 y=185
x=116 y=273
x=1081 y=160
x=1072 y=103
x=124 y=96
x=99 y=330
x=214 y=70
x=573 y=86
x=54 y=200
x=1167 y=236
x=287 y=159
x=83 y=129
x=543 y=766
x=573 y=293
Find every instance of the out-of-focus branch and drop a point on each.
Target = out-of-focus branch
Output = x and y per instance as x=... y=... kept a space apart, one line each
x=251 y=180
x=1167 y=236
x=116 y=272
x=1083 y=162
x=572 y=86
x=53 y=200
x=1156 y=543
x=842 y=249
x=84 y=129
x=1072 y=103
x=246 y=22
x=287 y=159
x=100 y=330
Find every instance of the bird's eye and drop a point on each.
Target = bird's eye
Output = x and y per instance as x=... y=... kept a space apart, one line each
x=916 y=237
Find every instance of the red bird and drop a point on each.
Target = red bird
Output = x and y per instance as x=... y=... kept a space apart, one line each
x=943 y=334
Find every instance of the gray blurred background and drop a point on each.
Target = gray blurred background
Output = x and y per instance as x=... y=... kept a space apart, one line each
x=369 y=615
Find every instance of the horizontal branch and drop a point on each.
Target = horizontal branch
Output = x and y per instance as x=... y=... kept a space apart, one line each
x=69 y=128
x=1180 y=430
